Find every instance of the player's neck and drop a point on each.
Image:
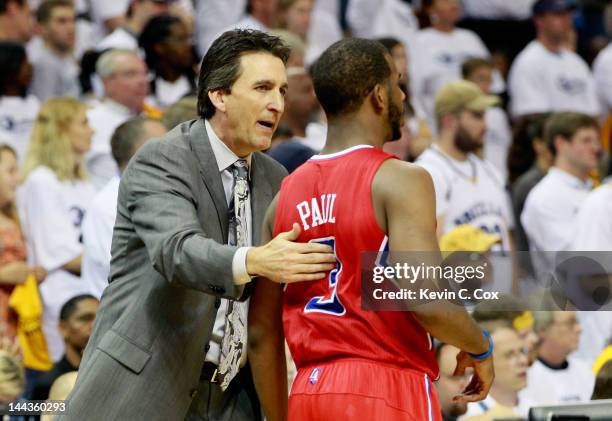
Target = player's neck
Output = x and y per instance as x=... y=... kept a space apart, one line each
x=346 y=133
x=504 y=397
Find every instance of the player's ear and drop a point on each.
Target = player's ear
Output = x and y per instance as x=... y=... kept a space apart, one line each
x=218 y=97
x=379 y=97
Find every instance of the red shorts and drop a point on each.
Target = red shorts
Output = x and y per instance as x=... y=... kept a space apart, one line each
x=356 y=389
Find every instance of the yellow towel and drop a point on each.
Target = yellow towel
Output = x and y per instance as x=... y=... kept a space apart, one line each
x=25 y=301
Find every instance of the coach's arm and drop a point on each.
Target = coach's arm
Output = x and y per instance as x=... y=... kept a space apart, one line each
x=157 y=194
x=404 y=201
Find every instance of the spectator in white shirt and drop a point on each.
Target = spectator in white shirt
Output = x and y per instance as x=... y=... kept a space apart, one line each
x=498 y=135
x=138 y=14
x=468 y=189
x=212 y=17
x=56 y=72
x=100 y=215
x=439 y=52
x=549 y=214
x=125 y=78
x=556 y=377
x=602 y=71
x=52 y=201
x=17 y=110
x=385 y=18
x=546 y=76
x=107 y=15
x=169 y=57
x=15 y=21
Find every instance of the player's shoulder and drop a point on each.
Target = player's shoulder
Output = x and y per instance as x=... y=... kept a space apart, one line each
x=395 y=176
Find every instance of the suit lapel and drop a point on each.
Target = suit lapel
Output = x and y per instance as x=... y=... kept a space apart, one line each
x=261 y=196
x=200 y=145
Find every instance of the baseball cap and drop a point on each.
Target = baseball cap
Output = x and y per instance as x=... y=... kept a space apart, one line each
x=467 y=237
x=547 y=6
x=462 y=95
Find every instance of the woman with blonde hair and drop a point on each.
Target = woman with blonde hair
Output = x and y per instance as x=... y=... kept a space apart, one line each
x=51 y=204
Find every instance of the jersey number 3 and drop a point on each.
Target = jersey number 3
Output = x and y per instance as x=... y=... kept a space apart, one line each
x=330 y=302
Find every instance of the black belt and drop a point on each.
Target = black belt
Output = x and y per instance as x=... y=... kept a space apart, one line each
x=210 y=372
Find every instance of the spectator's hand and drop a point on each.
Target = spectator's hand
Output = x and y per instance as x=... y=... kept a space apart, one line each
x=483 y=376
x=14 y=273
x=40 y=273
x=284 y=261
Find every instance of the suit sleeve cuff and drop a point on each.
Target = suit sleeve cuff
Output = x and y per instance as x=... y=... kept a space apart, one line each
x=239 y=268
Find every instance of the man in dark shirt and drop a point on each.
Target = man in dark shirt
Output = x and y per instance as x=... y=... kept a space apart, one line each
x=76 y=320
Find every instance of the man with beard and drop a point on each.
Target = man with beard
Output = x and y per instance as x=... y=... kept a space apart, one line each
x=352 y=363
x=468 y=189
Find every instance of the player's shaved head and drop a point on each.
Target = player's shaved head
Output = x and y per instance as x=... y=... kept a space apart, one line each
x=346 y=73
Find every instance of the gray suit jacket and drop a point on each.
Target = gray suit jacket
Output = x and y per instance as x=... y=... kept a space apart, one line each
x=169 y=263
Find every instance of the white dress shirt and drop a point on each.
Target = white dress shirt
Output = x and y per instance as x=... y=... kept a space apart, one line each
x=97 y=230
x=225 y=159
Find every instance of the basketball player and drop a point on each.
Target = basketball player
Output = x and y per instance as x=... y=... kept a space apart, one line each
x=356 y=364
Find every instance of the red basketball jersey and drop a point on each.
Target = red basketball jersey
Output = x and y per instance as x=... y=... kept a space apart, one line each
x=330 y=196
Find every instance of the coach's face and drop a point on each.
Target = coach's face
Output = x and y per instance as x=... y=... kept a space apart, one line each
x=255 y=103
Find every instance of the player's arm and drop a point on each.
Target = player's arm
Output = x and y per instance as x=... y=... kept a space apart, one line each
x=404 y=194
x=266 y=345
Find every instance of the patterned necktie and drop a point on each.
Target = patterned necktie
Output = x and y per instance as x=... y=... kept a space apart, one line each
x=235 y=335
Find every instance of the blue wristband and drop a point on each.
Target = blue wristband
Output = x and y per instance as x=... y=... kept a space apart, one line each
x=489 y=351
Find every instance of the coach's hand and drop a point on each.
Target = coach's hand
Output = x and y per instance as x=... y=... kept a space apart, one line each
x=483 y=376
x=283 y=260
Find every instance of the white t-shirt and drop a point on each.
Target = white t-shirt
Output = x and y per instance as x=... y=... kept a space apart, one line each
x=498 y=138
x=602 y=72
x=498 y=9
x=468 y=192
x=324 y=31
x=167 y=93
x=97 y=229
x=387 y=18
x=549 y=386
x=101 y=10
x=104 y=118
x=51 y=213
x=212 y=17
x=543 y=81
x=120 y=38
x=54 y=76
x=436 y=59
x=551 y=207
x=17 y=116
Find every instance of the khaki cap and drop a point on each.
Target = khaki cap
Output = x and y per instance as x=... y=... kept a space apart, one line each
x=462 y=95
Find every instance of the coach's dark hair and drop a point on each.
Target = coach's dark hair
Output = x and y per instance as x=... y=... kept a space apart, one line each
x=566 y=124
x=125 y=137
x=4 y=3
x=221 y=64
x=70 y=306
x=347 y=72
x=12 y=57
